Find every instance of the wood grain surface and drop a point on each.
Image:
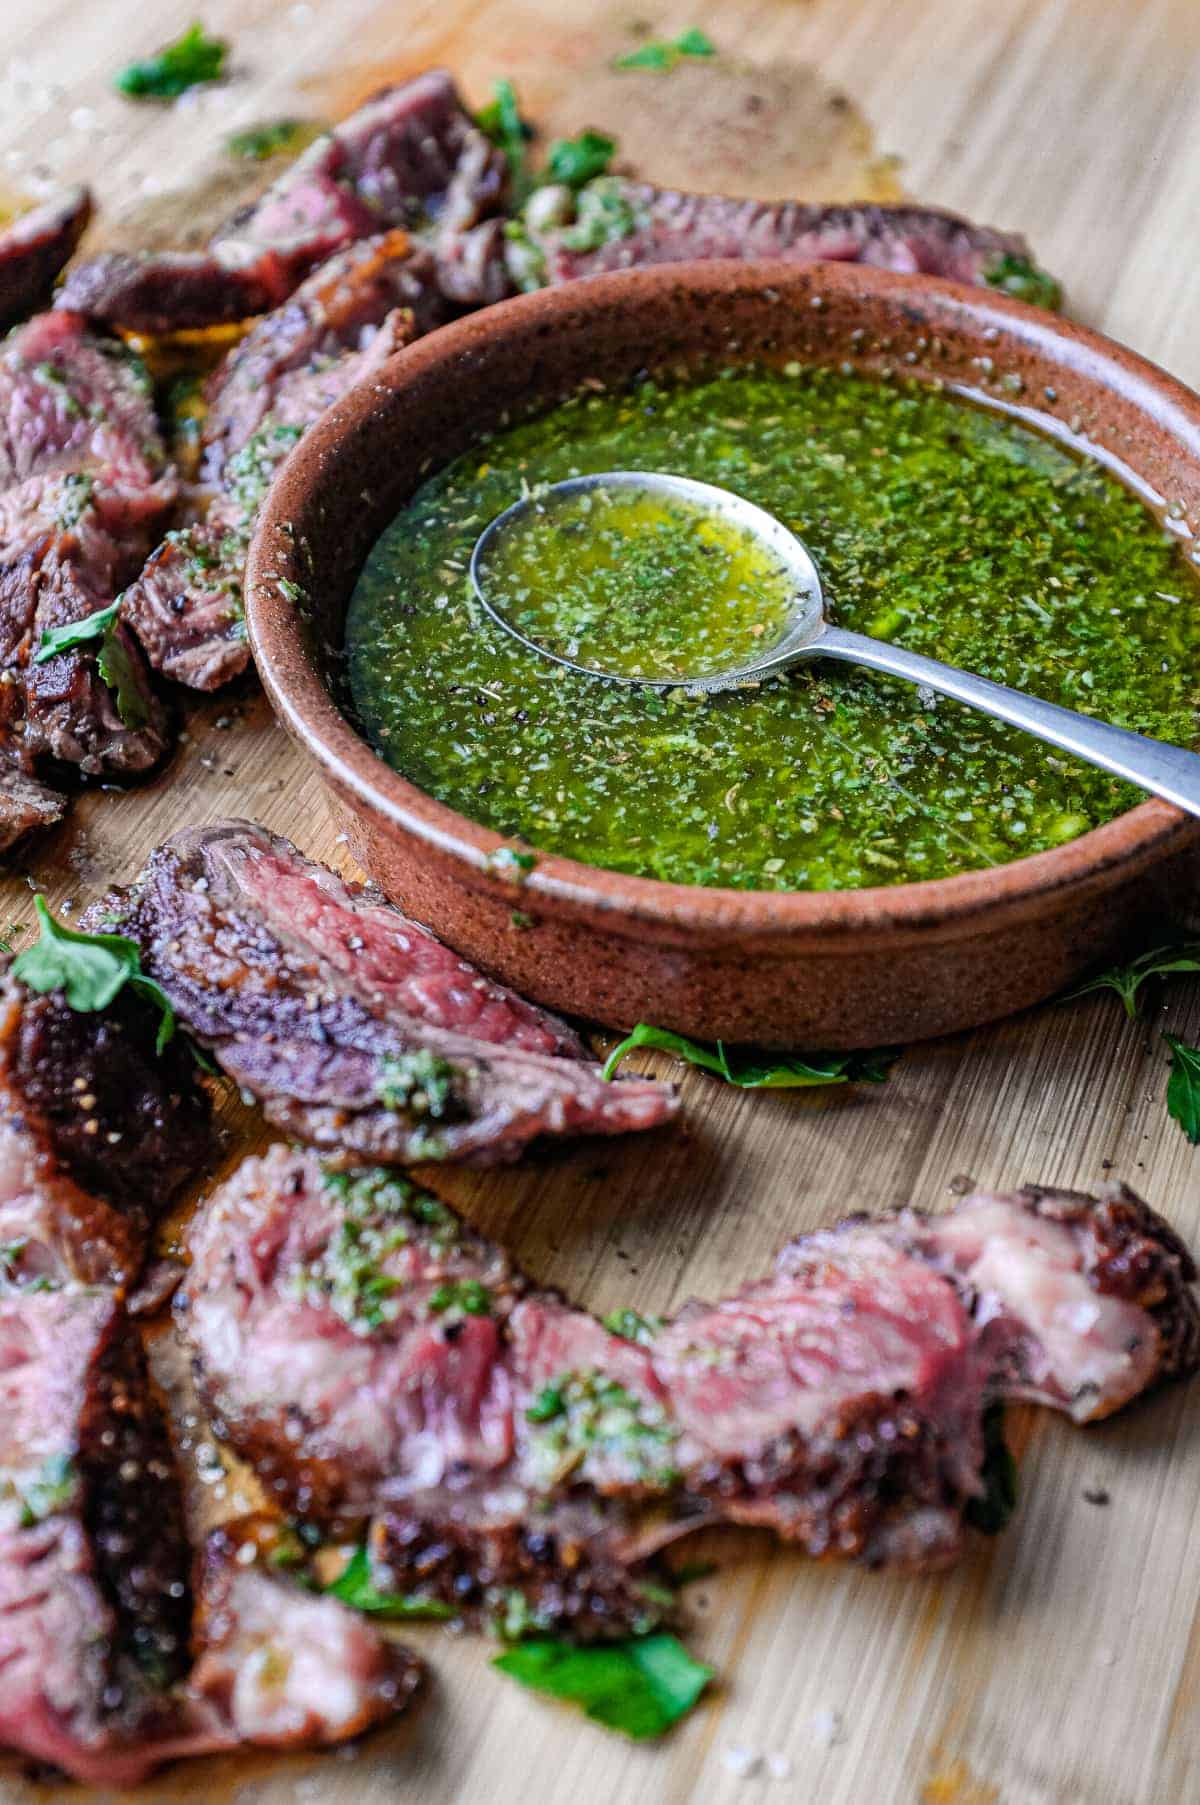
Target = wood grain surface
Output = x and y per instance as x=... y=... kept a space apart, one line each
x=1060 y=1665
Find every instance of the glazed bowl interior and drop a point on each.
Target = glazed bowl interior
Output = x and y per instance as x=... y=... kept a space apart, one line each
x=851 y=967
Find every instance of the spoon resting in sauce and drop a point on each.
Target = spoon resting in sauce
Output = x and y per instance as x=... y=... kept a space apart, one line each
x=634 y=541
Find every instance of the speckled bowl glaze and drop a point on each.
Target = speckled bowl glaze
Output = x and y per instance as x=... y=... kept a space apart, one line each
x=811 y=969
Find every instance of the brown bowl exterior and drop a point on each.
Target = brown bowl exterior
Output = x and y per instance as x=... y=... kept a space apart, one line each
x=809 y=969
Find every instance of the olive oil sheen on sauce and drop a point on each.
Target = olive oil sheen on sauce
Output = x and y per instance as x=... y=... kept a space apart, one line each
x=956 y=531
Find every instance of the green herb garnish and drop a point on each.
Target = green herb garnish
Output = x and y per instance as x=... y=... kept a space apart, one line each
x=575 y=161
x=501 y=121
x=355 y=1587
x=89 y=969
x=113 y=660
x=604 y=214
x=1021 y=278
x=640 y=1687
x=258 y=142
x=992 y=1511
x=466 y=1296
x=44 y=1493
x=783 y=1072
x=117 y=668
x=632 y=1326
x=419 y=1083
x=1127 y=980
x=171 y=71
x=663 y=54
x=77 y=632
x=1183 y=1087
x=586 y=1413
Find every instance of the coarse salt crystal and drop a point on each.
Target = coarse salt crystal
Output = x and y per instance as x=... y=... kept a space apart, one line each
x=740 y=1761
x=829 y=1727
x=779 y=1766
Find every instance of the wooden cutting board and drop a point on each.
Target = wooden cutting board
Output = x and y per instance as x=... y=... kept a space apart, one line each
x=1060 y=1663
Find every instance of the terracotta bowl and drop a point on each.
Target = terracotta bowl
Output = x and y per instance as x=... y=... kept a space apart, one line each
x=816 y=970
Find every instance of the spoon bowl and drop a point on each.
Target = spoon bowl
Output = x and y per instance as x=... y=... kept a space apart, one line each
x=806 y=610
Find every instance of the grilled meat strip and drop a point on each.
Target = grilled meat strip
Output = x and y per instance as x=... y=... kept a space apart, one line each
x=381 y=1365
x=34 y=247
x=83 y=491
x=365 y=303
x=411 y=156
x=26 y=806
x=97 y=1130
x=105 y=1673
x=353 y=1027
x=616 y=223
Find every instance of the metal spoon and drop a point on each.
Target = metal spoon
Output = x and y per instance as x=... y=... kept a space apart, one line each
x=1167 y=771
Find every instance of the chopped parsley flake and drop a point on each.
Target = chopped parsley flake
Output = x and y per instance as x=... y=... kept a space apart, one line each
x=585 y=1414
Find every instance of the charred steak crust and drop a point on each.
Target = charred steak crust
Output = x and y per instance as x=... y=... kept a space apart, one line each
x=351 y=1024
x=35 y=246
x=128 y=1122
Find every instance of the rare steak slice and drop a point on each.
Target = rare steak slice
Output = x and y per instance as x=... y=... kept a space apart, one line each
x=615 y=223
x=34 y=247
x=107 y=1668
x=84 y=490
x=97 y=1131
x=351 y=1024
x=382 y=1366
x=407 y=157
x=365 y=303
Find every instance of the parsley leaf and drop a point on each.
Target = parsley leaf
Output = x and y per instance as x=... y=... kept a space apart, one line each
x=76 y=633
x=501 y=121
x=1127 y=980
x=117 y=669
x=89 y=969
x=576 y=160
x=48 y=1491
x=641 y=1686
x=355 y=1587
x=113 y=660
x=631 y=1325
x=992 y=1511
x=664 y=53
x=1021 y=277
x=784 y=1071
x=1183 y=1087
x=171 y=71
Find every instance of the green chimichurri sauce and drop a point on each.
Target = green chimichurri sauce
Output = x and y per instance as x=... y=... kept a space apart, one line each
x=636 y=584
x=953 y=530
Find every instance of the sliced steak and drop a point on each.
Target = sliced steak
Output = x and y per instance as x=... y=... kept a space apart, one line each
x=351 y=1024
x=35 y=246
x=623 y=224
x=379 y=1364
x=84 y=490
x=95 y=1603
x=186 y=607
x=96 y=1611
x=1079 y=1303
x=26 y=806
x=406 y=157
x=97 y=1131
x=334 y=315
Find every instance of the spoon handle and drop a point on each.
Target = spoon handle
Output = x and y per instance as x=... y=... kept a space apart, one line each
x=1167 y=771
